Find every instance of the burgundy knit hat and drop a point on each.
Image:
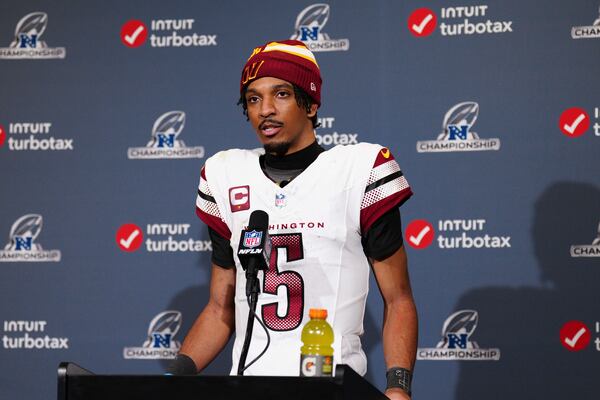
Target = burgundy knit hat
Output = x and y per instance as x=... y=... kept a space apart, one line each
x=289 y=60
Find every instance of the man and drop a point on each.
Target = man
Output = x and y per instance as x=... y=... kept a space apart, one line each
x=327 y=210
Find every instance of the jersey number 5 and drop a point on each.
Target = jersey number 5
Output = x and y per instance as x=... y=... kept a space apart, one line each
x=292 y=243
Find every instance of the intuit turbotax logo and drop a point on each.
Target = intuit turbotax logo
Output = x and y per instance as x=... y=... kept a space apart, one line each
x=27 y=43
x=457 y=133
x=575 y=122
x=575 y=336
x=160 y=343
x=164 y=143
x=309 y=29
x=587 y=32
x=456 y=343
x=160 y=238
x=22 y=245
x=165 y=33
x=587 y=250
x=33 y=136
x=453 y=234
x=333 y=138
x=30 y=335
x=456 y=21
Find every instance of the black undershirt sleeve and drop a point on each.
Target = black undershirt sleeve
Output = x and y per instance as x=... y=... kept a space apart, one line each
x=222 y=253
x=384 y=237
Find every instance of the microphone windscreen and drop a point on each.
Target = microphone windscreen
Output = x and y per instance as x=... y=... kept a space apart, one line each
x=259 y=220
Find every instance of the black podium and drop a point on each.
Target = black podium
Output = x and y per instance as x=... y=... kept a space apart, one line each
x=76 y=383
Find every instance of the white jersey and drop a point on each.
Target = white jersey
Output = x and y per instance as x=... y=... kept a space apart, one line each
x=317 y=261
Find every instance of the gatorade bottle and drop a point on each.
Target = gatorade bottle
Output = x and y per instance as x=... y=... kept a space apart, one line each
x=316 y=355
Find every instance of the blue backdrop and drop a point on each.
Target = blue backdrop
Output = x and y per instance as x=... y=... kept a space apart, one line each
x=108 y=110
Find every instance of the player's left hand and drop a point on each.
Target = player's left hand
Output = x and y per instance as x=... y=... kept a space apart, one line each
x=397 y=394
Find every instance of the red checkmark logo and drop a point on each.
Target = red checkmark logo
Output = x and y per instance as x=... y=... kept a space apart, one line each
x=2 y=135
x=422 y=22
x=574 y=122
x=129 y=237
x=575 y=335
x=134 y=33
x=419 y=234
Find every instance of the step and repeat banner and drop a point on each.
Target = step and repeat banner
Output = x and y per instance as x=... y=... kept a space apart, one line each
x=109 y=109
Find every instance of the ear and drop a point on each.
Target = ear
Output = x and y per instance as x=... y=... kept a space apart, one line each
x=313 y=110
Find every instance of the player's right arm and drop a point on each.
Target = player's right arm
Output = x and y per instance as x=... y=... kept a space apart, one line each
x=215 y=324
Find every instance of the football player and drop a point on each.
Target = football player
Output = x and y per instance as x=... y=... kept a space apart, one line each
x=333 y=217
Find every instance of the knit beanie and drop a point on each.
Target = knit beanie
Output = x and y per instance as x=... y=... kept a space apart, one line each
x=289 y=60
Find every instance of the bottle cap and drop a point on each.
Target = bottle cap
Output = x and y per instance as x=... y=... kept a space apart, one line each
x=317 y=313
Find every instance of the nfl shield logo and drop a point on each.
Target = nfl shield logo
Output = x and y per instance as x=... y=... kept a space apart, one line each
x=280 y=200
x=252 y=239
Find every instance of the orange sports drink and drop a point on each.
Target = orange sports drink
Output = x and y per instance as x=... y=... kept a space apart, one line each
x=316 y=354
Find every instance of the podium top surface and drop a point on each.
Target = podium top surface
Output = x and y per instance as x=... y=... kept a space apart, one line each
x=77 y=383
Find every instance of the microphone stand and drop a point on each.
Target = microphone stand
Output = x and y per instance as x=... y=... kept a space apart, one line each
x=252 y=291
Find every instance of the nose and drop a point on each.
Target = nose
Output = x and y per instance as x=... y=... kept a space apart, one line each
x=267 y=107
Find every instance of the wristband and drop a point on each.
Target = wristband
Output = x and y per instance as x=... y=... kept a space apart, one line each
x=182 y=365
x=399 y=378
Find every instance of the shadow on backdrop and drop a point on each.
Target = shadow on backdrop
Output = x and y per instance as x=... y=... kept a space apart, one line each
x=524 y=322
x=190 y=302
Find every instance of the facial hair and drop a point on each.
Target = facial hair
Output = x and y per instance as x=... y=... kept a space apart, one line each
x=279 y=148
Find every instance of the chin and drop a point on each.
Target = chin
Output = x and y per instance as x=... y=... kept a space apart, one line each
x=277 y=148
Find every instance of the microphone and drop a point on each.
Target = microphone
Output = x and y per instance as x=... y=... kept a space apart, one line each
x=254 y=250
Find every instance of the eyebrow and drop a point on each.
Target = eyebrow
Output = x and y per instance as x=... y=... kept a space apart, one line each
x=273 y=88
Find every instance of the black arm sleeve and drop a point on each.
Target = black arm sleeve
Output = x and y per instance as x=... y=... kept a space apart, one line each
x=384 y=237
x=222 y=253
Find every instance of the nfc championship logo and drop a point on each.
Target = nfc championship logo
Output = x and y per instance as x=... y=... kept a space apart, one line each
x=22 y=247
x=27 y=43
x=309 y=29
x=586 y=250
x=587 y=32
x=456 y=344
x=457 y=133
x=159 y=343
x=164 y=142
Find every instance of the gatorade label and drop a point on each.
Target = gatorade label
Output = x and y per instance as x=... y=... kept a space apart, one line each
x=311 y=365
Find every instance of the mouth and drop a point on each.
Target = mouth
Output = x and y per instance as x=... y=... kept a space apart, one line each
x=270 y=128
